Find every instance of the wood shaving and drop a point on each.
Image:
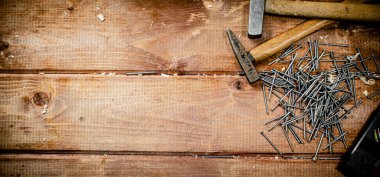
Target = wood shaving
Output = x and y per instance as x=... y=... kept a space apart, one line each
x=367 y=82
x=164 y=75
x=353 y=57
x=365 y=93
x=101 y=17
x=45 y=109
x=332 y=78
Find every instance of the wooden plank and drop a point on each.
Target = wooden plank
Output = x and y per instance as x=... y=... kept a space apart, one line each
x=154 y=35
x=165 y=36
x=150 y=113
x=115 y=165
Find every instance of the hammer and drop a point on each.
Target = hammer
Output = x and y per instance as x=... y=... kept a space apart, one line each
x=277 y=43
x=248 y=59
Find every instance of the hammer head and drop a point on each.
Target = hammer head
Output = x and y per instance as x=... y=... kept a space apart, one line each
x=256 y=17
x=244 y=58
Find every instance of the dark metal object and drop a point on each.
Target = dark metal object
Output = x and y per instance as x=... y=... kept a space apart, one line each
x=321 y=98
x=141 y=73
x=363 y=157
x=287 y=139
x=315 y=157
x=376 y=63
x=337 y=45
x=256 y=17
x=270 y=142
x=244 y=58
x=373 y=94
x=295 y=135
x=336 y=139
x=362 y=61
x=265 y=99
x=287 y=52
x=310 y=157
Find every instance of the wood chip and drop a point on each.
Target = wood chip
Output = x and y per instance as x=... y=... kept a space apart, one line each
x=101 y=17
x=365 y=93
x=45 y=109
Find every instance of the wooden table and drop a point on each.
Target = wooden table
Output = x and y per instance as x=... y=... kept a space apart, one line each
x=100 y=122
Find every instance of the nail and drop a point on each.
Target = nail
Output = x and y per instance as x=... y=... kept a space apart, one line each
x=265 y=99
x=271 y=87
x=339 y=137
x=373 y=94
x=337 y=45
x=295 y=135
x=287 y=138
x=315 y=157
x=362 y=61
x=377 y=65
x=141 y=73
x=270 y=142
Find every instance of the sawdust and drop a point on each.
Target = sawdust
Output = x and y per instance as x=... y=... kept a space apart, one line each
x=164 y=75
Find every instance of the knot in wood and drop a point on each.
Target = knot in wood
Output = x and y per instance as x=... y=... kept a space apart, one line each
x=41 y=98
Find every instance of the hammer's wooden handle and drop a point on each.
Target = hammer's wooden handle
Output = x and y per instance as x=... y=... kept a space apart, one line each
x=324 y=10
x=285 y=39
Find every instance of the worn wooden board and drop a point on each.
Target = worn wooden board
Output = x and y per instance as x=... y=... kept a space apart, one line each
x=154 y=35
x=166 y=36
x=150 y=113
x=115 y=165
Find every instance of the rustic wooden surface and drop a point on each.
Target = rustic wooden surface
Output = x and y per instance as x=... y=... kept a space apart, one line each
x=115 y=165
x=65 y=36
x=216 y=113
x=149 y=113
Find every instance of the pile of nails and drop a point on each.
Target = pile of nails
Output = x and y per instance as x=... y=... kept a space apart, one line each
x=315 y=101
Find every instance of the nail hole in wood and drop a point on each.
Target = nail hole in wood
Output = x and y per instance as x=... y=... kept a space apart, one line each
x=238 y=85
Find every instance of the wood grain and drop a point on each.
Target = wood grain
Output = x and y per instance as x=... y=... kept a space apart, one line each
x=156 y=35
x=199 y=114
x=114 y=165
x=171 y=36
